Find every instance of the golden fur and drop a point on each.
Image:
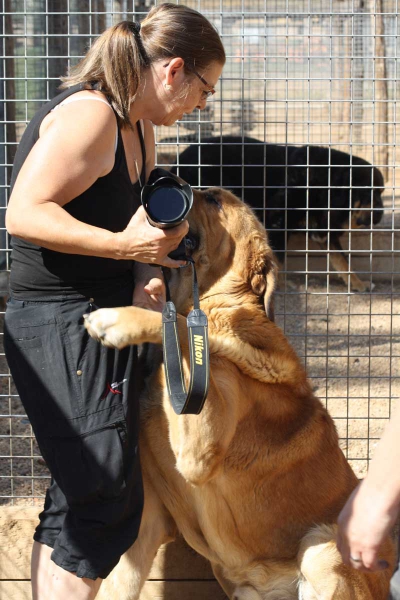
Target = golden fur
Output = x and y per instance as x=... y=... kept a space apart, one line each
x=256 y=481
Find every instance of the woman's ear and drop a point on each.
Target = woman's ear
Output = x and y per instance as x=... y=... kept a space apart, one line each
x=174 y=71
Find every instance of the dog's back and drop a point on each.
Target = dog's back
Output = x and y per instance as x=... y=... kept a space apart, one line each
x=235 y=163
x=285 y=178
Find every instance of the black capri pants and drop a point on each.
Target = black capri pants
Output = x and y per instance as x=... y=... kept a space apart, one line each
x=82 y=401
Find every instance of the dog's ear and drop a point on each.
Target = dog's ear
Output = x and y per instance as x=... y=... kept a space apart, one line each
x=338 y=195
x=263 y=273
x=379 y=181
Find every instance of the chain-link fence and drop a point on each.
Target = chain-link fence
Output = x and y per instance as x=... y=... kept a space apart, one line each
x=304 y=128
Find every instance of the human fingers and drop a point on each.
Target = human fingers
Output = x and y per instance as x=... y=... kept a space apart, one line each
x=178 y=232
x=358 y=557
x=172 y=264
x=174 y=235
x=343 y=545
x=142 y=242
x=353 y=555
x=342 y=536
x=368 y=562
x=150 y=294
x=155 y=287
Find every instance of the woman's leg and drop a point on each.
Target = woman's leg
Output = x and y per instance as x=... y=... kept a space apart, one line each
x=82 y=402
x=51 y=582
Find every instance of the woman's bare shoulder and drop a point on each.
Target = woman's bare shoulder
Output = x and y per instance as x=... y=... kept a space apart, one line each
x=79 y=106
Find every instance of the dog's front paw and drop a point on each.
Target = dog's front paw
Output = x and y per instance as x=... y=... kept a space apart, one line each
x=103 y=325
x=361 y=286
x=246 y=593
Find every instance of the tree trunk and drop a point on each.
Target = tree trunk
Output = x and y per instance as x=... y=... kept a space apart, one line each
x=98 y=19
x=346 y=74
x=3 y=152
x=57 y=43
x=9 y=107
x=141 y=7
x=380 y=88
x=358 y=72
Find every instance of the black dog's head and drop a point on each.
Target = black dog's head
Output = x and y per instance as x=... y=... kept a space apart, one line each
x=346 y=186
x=360 y=187
x=368 y=201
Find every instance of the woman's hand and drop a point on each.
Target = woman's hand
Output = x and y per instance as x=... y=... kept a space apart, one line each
x=363 y=525
x=150 y=292
x=144 y=243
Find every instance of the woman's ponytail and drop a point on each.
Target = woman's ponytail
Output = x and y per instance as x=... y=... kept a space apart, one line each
x=115 y=63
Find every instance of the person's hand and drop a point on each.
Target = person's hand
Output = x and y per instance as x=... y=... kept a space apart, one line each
x=150 y=294
x=142 y=242
x=363 y=524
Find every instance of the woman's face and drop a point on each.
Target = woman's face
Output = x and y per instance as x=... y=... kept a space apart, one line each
x=186 y=92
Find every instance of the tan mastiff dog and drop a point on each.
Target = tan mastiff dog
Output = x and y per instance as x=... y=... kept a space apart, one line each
x=256 y=481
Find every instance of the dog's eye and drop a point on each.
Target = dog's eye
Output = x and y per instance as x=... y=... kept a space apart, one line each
x=191 y=241
x=212 y=199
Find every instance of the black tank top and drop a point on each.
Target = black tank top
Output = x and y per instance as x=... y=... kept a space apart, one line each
x=109 y=204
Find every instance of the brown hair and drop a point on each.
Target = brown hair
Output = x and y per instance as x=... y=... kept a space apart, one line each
x=117 y=59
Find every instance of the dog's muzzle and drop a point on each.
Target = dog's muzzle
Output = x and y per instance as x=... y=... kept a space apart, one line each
x=367 y=217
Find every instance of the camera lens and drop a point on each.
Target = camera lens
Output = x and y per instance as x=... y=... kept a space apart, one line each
x=167 y=205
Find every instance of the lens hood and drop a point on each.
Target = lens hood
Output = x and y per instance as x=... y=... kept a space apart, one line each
x=166 y=198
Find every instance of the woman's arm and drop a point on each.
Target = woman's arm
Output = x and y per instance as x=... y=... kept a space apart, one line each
x=372 y=509
x=73 y=152
x=149 y=283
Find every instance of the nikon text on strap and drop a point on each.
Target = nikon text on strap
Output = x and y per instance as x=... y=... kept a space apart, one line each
x=183 y=401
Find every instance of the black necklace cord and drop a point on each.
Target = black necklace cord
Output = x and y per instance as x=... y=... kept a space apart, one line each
x=189 y=402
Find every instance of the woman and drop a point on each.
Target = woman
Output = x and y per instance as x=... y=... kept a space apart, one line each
x=82 y=241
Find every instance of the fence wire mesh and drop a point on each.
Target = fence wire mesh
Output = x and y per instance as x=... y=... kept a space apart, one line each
x=304 y=81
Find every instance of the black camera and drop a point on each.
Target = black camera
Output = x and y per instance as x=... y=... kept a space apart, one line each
x=166 y=198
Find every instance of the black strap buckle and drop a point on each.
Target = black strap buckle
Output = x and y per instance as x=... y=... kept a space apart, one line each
x=184 y=401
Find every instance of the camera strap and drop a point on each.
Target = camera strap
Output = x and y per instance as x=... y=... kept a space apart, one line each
x=186 y=401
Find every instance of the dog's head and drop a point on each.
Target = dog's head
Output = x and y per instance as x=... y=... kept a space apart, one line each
x=230 y=250
x=364 y=185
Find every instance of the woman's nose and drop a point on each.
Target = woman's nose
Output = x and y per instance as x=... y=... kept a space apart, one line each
x=202 y=104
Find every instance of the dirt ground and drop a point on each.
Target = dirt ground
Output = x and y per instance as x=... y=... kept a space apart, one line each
x=350 y=346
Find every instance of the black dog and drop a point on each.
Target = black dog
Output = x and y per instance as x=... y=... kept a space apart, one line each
x=292 y=188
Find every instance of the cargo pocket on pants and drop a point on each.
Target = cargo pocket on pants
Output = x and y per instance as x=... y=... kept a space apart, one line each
x=90 y=466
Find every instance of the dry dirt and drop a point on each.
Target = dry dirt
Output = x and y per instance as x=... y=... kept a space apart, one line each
x=350 y=347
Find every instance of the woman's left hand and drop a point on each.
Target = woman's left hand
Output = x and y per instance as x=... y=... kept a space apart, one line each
x=150 y=294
